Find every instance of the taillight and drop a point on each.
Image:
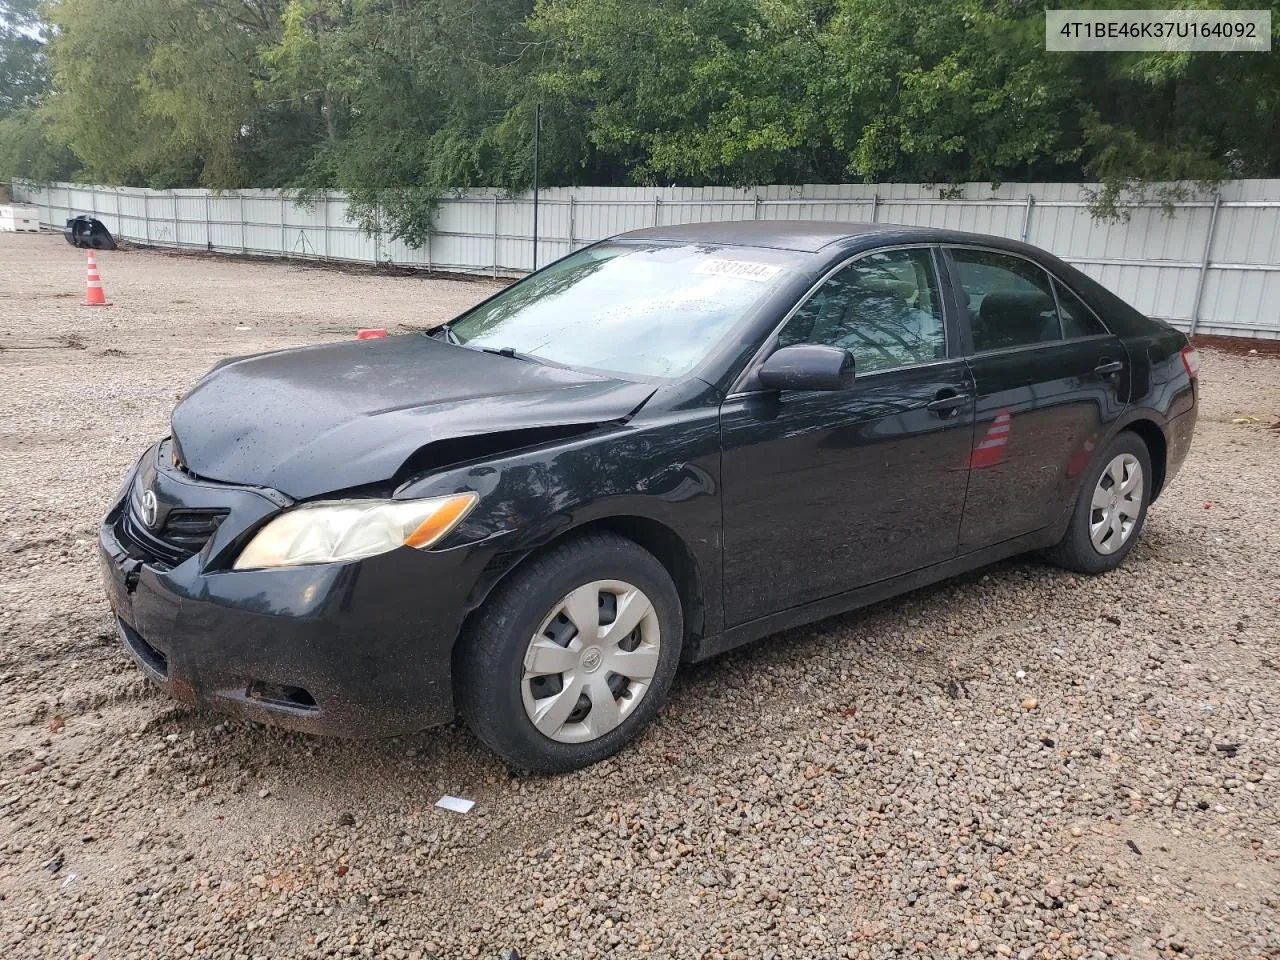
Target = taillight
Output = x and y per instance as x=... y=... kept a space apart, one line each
x=1191 y=360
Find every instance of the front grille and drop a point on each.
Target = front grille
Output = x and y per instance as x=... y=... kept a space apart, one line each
x=183 y=534
x=190 y=530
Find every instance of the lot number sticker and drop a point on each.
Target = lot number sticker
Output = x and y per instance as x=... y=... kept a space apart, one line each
x=742 y=269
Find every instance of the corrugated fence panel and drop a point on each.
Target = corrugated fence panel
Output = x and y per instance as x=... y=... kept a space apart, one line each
x=1217 y=261
x=226 y=226
x=192 y=214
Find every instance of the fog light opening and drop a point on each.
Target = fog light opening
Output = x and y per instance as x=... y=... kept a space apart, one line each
x=281 y=695
x=151 y=658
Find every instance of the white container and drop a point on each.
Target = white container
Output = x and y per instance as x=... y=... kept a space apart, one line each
x=24 y=219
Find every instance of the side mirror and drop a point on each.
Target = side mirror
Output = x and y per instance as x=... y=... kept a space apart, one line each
x=807 y=366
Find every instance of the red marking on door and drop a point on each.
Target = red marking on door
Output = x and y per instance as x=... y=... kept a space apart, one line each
x=990 y=449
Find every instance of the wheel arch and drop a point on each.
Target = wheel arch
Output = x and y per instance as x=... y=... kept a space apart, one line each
x=1157 y=447
x=651 y=535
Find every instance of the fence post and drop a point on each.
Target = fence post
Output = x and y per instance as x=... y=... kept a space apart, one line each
x=495 y=236
x=326 y=224
x=657 y=210
x=573 y=216
x=1026 y=217
x=283 y=239
x=208 y=225
x=244 y=243
x=119 y=215
x=1204 y=263
x=173 y=199
x=755 y=208
x=146 y=213
x=875 y=208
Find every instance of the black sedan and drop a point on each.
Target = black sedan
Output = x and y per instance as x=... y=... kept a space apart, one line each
x=659 y=448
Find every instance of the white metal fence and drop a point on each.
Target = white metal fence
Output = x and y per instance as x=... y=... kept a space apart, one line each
x=1214 y=265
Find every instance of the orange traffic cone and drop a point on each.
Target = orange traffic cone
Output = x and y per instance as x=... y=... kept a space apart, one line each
x=93 y=293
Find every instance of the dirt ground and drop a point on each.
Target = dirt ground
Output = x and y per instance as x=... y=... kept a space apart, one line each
x=1019 y=763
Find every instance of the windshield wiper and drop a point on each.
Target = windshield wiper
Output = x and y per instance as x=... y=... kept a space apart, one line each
x=513 y=353
x=449 y=335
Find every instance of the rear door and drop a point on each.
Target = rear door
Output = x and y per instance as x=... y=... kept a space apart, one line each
x=1049 y=379
x=825 y=491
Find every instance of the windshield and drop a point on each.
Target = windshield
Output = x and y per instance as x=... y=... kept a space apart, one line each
x=653 y=310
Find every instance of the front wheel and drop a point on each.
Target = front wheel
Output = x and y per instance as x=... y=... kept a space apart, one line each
x=1110 y=510
x=572 y=656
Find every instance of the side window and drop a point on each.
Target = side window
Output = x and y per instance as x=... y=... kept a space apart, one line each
x=1010 y=300
x=1077 y=319
x=884 y=309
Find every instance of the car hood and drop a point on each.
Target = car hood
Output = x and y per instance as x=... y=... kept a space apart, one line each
x=321 y=419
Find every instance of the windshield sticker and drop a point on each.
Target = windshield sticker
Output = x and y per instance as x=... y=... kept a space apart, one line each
x=742 y=269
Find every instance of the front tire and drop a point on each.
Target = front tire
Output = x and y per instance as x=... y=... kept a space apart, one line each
x=572 y=656
x=1110 y=510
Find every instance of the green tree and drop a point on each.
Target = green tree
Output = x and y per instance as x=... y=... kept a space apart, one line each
x=946 y=92
x=24 y=71
x=714 y=91
x=163 y=92
x=424 y=97
x=399 y=102
x=27 y=149
x=1192 y=117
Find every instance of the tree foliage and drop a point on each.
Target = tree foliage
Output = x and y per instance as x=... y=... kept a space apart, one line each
x=26 y=147
x=400 y=101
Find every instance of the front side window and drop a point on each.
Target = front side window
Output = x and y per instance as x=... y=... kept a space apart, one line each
x=883 y=308
x=1010 y=300
x=649 y=309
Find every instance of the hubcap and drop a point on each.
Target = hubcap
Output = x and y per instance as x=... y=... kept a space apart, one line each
x=1117 y=504
x=591 y=662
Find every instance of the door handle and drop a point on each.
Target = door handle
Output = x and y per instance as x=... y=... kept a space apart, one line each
x=947 y=403
x=1108 y=367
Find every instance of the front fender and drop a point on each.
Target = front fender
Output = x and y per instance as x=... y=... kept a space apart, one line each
x=665 y=470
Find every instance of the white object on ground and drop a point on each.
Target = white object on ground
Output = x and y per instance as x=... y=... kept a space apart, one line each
x=456 y=804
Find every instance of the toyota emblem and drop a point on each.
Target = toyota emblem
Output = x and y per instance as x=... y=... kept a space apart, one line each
x=150 y=509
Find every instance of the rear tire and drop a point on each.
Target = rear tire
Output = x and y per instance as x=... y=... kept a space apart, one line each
x=1110 y=510
x=550 y=696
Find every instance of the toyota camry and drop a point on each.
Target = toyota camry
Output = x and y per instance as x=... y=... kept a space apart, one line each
x=652 y=451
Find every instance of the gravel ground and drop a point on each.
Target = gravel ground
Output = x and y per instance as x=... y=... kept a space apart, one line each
x=1021 y=763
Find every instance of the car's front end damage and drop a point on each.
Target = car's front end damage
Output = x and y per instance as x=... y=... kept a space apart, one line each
x=323 y=648
x=285 y=555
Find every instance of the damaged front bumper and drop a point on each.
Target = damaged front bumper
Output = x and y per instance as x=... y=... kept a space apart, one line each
x=359 y=649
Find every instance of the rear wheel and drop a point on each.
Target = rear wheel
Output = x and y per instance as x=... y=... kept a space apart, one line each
x=1110 y=510
x=572 y=656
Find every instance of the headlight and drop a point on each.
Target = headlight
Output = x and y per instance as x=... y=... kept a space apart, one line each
x=327 y=532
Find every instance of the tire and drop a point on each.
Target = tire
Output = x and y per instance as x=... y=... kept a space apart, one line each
x=499 y=694
x=1077 y=550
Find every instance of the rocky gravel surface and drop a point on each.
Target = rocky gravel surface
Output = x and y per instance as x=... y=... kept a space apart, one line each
x=1021 y=763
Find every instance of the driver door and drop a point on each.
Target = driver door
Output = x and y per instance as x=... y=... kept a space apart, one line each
x=826 y=491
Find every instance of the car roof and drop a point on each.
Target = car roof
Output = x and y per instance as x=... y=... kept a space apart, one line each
x=809 y=236
x=815 y=236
